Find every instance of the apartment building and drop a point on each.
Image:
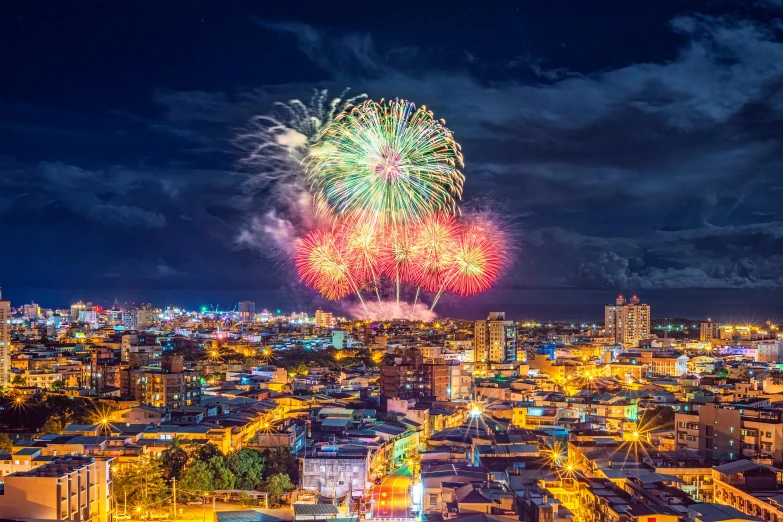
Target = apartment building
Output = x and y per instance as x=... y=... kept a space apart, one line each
x=731 y=431
x=68 y=488
x=415 y=379
x=335 y=470
x=627 y=322
x=495 y=340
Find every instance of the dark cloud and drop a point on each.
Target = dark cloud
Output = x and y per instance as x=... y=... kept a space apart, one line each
x=656 y=174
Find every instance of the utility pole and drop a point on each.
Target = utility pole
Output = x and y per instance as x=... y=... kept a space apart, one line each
x=174 y=491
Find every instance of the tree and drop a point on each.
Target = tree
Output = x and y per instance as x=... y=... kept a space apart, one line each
x=248 y=467
x=206 y=451
x=661 y=417
x=57 y=385
x=281 y=460
x=143 y=482
x=222 y=478
x=196 y=480
x=18 y=380
x=6 y=444
x=175 y=458
x=52 y=425
x=278 y=484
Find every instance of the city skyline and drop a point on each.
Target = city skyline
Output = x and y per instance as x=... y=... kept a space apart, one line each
x=623 y=169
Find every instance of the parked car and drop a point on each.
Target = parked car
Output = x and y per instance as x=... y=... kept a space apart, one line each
x=122 y=516
x=196 y=502
x=158 y=516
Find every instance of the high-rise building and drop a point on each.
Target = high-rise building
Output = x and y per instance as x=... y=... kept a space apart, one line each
x=414 y=378
x=138 y=318
x=5 y=342
x=75 y=309
x=323 y=319
x=627 y=322
x=495 y=340
x=709 y=331
x=247 y=311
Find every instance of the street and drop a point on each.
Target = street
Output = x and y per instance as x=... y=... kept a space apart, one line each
x=391 y=498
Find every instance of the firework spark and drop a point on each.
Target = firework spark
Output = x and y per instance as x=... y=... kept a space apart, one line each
x=322 y=264
x=386 y=162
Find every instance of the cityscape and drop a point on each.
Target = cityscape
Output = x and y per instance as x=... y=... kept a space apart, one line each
x=140 y=412
x=415 y=262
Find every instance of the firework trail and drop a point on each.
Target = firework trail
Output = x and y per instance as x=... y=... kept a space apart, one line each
x=387 y=162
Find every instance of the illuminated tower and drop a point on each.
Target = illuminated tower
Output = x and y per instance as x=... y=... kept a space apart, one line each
x=5 y=342
x=495 y=340
x=627 y=322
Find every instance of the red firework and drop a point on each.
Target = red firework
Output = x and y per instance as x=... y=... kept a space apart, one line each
x=398 y=253
x=362 y=242
x=320 y=261
x=434 y=248
x=476 y=261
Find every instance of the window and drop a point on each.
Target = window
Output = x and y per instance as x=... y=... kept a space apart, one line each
x=433 y=500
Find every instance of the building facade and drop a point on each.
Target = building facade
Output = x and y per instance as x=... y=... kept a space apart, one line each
x=5 y=342
x=627 y=322
x=247 y=311
x=68 y=488
x=495 y=340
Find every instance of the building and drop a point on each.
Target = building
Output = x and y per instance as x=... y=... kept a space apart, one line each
x=247 y=311
x=338 y=339
x=627 y=322
x=76 y=309
x=414 y=378
x=171 y=386
x=67 y=488
x=5 y=342
x=730 y=432
x=495 y=340
x=709 y=331
x=769 y=351
x=332 y=470
x=323 y=319
x=138 y=318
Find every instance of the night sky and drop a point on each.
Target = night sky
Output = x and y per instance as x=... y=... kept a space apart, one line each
x=636 y=143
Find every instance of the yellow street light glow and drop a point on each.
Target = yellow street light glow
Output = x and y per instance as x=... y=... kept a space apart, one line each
x=570 y=467
x=635 y=434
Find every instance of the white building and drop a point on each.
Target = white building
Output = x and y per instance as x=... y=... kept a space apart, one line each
x=273 y=373
x=336 y=470
x=495 y=340
x=627 y=322
x=769 y=351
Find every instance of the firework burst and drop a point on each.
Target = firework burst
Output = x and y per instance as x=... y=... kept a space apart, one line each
x=321 y=262
x=476 y=262
x=434 y=249
x=386 y=162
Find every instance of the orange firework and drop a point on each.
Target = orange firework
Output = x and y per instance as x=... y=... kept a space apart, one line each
x=434 y=248
x=476 y=262
x=320 y=260
x=362 y=247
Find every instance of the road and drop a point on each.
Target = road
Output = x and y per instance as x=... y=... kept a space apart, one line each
x=391 y=498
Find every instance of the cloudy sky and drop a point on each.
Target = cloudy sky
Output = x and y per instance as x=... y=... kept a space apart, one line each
x=636 y=144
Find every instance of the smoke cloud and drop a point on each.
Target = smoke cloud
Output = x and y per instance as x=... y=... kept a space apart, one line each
x=386 y=310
